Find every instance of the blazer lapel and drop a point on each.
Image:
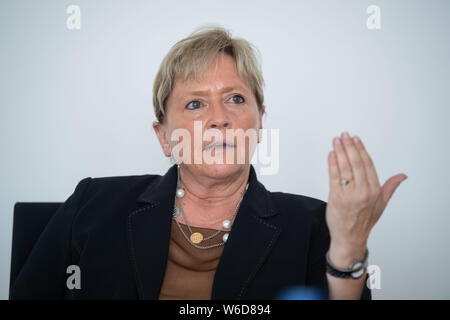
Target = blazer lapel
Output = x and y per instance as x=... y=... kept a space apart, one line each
x=148 y=229
x=249 y=243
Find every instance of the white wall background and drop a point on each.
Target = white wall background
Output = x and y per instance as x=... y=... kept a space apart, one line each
x=79 y=103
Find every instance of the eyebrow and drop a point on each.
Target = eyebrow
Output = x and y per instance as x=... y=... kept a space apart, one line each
x=223 y=90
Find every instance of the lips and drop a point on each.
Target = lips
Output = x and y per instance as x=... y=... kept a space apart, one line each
x=218 y=145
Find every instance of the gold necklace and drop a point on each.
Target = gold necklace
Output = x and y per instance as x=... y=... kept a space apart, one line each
x=197 y=237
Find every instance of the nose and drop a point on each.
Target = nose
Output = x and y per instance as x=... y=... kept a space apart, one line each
x=219 y=119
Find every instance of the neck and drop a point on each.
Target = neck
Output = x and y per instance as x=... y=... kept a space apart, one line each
x=210 y=200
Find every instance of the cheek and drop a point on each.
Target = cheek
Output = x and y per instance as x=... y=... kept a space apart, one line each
x=182 y=138
x=177 y=126
x=247 y=121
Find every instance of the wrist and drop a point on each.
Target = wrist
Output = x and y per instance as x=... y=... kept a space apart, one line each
x=342 y=256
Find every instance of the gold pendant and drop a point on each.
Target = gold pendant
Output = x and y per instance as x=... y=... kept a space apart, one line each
x=196 y=237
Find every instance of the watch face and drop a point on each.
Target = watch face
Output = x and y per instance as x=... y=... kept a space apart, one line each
x=358 y=273
x=356 y=265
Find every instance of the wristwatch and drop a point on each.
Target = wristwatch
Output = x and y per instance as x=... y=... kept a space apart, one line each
x=355 y=271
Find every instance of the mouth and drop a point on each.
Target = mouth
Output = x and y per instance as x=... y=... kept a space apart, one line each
x=218 y=145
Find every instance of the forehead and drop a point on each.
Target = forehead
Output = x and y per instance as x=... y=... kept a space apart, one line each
x=222 y=73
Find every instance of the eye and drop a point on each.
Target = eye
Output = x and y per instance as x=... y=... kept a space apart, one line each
x=239 y=100
x=195 y=104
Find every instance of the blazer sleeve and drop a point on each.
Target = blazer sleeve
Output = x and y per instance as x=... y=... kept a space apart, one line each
x=316 y=269
x=43 y=275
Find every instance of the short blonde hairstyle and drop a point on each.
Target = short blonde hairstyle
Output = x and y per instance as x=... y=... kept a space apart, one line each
x=191 y=56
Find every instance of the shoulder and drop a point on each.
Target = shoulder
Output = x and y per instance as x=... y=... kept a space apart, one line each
x=109 y=185
x=120 y=181
x=299 y=208
x=105 y=201
x=108 y=196
x=287 y=200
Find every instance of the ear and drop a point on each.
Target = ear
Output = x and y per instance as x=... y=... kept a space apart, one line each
x=161 y=133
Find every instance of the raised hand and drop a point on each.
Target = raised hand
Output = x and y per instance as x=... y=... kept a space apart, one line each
x=354 y=208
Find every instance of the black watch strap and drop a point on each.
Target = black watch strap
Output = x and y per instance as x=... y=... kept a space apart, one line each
x=355 y=271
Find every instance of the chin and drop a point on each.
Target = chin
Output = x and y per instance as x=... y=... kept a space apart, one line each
x=221 y=170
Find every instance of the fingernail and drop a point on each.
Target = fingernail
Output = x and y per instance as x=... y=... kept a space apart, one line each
x=356 y=139
x=346 y=135
x=337 y=140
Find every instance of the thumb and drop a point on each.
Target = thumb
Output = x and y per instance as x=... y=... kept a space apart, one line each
x=391 y=185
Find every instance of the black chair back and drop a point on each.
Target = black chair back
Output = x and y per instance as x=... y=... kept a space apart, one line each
x=30 y=219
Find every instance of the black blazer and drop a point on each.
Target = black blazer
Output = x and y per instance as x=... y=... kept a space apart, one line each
x=117 y=230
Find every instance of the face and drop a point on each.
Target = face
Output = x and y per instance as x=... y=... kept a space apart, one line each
x=205 y=110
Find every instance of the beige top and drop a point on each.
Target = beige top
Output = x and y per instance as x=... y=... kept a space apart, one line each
x=190 y=271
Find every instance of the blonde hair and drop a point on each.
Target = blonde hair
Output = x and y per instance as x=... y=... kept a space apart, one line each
x=191 y=56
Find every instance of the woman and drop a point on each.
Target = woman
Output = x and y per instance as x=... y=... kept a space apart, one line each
x=208 y=229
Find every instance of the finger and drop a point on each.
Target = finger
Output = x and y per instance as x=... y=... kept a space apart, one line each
x=387 y=191
x=345 y=169
x=333 y=171
x=358 y=169
x=371 y=172
x=390 y=186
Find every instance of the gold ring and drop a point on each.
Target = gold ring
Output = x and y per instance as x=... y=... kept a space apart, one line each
x=345 y=182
